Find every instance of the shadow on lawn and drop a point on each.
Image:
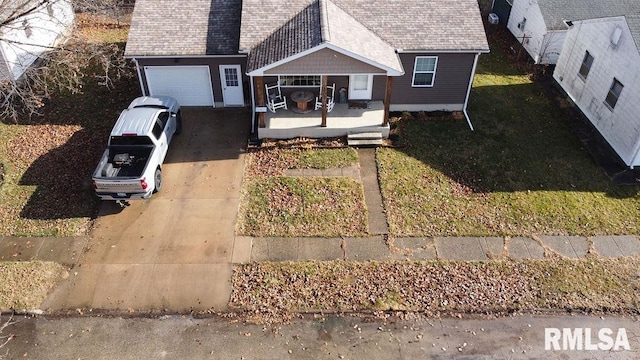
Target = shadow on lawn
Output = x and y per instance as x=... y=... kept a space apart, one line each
x=63 y=175
x=521 y=142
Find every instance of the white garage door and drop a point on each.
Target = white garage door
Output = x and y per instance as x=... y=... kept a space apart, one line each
x=190 y=85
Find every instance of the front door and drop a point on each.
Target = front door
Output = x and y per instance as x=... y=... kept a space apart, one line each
x=231 y=81
x=360 y=87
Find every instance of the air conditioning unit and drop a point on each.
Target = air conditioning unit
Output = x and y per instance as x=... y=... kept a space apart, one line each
x=494 y=19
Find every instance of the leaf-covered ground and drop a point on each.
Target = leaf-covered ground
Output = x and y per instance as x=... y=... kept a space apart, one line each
x=273 y=291
x=48 y=159
x=25 y=285
x=300 y=206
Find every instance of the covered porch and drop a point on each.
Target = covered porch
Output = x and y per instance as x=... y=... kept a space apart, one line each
x=346 y=118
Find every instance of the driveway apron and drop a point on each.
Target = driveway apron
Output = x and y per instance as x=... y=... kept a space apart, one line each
x=172 y=252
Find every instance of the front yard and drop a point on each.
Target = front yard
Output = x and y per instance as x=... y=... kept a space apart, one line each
x=521 y=171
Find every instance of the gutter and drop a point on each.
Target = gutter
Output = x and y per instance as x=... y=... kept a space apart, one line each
x=466 y=100
x=144 y=93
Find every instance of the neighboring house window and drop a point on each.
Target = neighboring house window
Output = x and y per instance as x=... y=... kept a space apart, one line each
x=424 y=71
x=586 y=65
x=614 y=94
x=300 y=80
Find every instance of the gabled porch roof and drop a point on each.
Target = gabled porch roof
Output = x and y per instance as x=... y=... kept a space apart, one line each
x=318 y=31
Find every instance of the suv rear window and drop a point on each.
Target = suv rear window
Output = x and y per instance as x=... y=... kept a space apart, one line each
x=130 y=140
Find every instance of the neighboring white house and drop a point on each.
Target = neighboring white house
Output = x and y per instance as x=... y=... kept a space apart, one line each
x=540 y=25
x=26 y=37
x=599 y=68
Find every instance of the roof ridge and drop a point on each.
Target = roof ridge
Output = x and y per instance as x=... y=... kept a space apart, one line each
x=325 y=34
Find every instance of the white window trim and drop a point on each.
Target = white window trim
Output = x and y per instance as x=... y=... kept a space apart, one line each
x=415 y=65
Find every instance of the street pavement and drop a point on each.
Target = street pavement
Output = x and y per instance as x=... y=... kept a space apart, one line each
x=320 y=337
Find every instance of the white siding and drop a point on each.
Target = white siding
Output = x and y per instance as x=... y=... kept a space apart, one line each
x=543 y=46
x=620 y=126
x=32 y=34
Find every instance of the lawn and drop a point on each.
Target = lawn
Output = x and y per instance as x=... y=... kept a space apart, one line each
x=26 y=284
x=586 y=285
x=276 y=205
x=521 y=171
x=48 y=159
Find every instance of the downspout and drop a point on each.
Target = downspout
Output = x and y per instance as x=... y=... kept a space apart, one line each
x=636 y=153
x=466 y=100
x=253 y=105
x=144 y=93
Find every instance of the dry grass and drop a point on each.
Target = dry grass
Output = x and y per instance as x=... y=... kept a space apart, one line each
x=590 y=285
x=25 y=285
x=292 y=206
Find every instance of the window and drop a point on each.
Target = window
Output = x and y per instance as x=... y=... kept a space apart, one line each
x=614 y=94
x=424 y=71
x=300 y=80
x=586 y=65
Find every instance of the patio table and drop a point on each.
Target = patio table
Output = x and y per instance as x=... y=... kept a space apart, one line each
x=302 y=98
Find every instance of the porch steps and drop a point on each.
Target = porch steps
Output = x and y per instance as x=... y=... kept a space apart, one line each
x=365 y=139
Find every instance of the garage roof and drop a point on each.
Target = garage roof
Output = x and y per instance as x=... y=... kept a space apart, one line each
x=194 y=27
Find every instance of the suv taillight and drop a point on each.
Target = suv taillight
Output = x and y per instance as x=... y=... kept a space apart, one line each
x=95 y=187
x=143 y=184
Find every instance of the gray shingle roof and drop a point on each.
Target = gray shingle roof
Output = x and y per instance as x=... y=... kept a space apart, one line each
x=301 y=32
x=193 y=27
x=403 y=24
x=555 y=11
x=317 y=23
x=634 y=25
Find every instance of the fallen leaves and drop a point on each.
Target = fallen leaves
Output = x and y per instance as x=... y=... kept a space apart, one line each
x=275 y=291
x=25 y=285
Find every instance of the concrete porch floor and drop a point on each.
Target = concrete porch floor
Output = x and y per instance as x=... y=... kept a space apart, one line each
x=286 y=124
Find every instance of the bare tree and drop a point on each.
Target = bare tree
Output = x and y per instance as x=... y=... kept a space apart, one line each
x=41 y=53
x=4 y=339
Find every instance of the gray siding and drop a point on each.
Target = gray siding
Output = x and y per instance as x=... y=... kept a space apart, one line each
x=450 y=86
x=214 y=69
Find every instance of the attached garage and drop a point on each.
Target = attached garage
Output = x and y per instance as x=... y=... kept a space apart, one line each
x=190 y=85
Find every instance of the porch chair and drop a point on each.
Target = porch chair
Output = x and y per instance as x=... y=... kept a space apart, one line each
x=331 y=91
x=275 y=100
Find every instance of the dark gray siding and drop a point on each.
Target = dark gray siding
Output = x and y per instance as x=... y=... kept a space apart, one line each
x=450 y=86
x=214 y=69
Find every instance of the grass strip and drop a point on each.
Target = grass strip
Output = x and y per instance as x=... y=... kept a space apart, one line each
x=25 y=285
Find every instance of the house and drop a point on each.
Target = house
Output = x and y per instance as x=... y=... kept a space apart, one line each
x=387 y=56
x=599 y=69
x=24 y=37
x=540 y=25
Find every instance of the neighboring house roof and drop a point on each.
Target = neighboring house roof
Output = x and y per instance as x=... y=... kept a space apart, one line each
x=555 y=11
x=404 y=24
x=634 y=25
x=193 y=27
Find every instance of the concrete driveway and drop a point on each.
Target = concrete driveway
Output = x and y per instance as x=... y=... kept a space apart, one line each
x=174 y=251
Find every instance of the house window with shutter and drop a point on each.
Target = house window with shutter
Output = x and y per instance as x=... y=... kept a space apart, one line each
x=587 y=61
x=613 y=94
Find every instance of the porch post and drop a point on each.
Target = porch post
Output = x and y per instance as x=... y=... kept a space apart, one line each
x=323 y=90
x=260 y=94
x=387 y=101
